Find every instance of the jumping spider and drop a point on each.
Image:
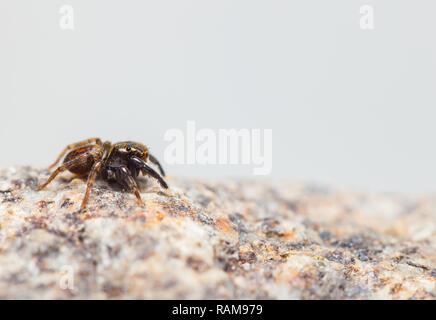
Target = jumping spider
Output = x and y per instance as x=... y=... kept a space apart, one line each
x=120 y=162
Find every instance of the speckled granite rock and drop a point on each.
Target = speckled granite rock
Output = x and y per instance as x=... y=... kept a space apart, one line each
x=212 y=240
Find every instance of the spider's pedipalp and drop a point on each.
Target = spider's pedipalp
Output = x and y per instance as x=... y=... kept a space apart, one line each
x=147 y=170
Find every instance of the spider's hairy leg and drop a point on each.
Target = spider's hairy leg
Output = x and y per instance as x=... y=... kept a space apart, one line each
x=156 y=162
x=107 y=146
x=75 y=145
x=78 y=161
x=137 y=195
x=91 y=179
x=64 y=167
x=124 y=177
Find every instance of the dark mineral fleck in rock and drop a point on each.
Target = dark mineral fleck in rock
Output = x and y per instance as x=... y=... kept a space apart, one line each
x=325 y=235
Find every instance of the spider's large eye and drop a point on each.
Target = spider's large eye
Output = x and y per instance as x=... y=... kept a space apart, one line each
x=129 y=148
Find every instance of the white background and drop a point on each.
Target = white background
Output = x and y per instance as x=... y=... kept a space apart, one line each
x=347 y=107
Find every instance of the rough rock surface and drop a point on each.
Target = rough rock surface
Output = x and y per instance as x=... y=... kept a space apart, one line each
x=212 y=240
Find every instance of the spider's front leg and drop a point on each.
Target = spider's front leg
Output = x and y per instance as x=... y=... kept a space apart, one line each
x=156 y=162
x=124 y=177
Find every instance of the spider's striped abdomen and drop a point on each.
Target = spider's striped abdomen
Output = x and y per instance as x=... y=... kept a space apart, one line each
x=83 y=158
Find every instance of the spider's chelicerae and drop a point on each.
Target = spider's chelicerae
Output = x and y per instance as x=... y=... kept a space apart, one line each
x=120 y=162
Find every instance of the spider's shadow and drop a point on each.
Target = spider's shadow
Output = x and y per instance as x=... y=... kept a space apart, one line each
x=144 y=184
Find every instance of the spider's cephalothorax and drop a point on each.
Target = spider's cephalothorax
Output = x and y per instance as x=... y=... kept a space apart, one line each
x=121 y=162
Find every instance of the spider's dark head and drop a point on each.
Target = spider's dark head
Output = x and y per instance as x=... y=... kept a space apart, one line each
x=131 y=149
